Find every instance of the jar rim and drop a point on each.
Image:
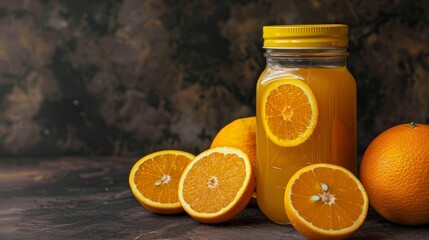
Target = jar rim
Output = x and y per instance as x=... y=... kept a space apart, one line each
x=306 y=36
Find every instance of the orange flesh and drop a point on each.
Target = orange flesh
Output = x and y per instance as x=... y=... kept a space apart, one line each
x=347 y=206
x=215 y=181
x=291 y=119
x=149 y=177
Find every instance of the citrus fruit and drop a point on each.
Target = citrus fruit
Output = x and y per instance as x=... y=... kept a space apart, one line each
x=325 y=201
x=241 y=134
x=217 y=185
x=395 y=173
x=154 y=179
x=289 y=112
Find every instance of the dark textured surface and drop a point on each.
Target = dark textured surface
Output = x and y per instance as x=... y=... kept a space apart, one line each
x=130 y=77
x=89 y=198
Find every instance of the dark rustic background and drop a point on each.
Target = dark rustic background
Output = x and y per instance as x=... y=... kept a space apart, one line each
x=130 y=77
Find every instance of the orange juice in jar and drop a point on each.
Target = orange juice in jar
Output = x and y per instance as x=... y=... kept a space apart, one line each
x=306 y=108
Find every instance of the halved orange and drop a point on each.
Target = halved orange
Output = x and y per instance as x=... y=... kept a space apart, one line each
x=289 y=111
x=154 y=180
x=217 y=185
x=325 y=201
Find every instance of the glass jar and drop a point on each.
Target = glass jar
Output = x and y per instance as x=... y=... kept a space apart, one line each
x=306 y=108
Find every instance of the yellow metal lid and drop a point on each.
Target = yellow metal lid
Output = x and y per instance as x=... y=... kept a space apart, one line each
x=306 y=36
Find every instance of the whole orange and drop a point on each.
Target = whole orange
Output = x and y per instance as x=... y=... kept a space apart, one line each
x=241 y=134
x=395 y=173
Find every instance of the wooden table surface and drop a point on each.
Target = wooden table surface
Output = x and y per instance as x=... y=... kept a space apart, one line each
x=89 y=198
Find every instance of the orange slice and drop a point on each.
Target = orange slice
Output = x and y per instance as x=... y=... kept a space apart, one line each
x=325 y=201
x=217 y=185
x=289 y=111
x=154 y=179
